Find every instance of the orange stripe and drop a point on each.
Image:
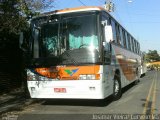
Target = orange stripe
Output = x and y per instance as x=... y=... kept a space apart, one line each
x=82 y=8
x=79 y=8
x=68 y=72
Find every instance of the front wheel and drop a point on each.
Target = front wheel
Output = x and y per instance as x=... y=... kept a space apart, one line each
x=117 y=90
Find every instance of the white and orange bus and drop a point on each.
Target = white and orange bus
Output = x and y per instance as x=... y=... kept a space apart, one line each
x=143 y=65
x=80 y=53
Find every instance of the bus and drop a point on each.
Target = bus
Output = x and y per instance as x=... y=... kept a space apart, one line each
x=143 y=65
x=80 y=53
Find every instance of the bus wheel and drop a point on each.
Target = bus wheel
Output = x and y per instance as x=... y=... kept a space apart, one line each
x=117 y=90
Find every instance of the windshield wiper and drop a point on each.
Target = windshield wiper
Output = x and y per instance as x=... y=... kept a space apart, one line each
x=72 y=59
x=44 y=62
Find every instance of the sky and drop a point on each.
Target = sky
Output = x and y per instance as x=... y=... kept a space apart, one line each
x=140 y=17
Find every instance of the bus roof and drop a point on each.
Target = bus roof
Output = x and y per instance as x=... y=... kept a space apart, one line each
x=77 y=9
x=71 y=10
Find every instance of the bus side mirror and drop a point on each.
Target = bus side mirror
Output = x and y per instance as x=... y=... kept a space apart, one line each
x=107 y=46
x=104 y=23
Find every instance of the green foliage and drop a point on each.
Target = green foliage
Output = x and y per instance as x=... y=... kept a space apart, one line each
x=152 y=56
x=11 y=20
x=37 y=5
x=14 y=16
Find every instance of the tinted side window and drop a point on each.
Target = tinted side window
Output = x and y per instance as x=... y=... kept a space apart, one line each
x=121 y=36
x=113 y=29
x=124 y=38
x=118 y=40
x=130 y=40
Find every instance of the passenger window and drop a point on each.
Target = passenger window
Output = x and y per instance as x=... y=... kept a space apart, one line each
x=113 y=30
x=133 y=45
x=118 y=40
x=130 y=41
x=124 y=38
x=121 y=36
x=136 y=48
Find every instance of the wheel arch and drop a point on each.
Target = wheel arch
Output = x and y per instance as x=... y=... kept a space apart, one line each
x=117 y=74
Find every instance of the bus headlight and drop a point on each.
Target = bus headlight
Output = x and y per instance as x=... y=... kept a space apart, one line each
x=31 y=76
x=82 y=77
x=92 y=77
x=87 y=77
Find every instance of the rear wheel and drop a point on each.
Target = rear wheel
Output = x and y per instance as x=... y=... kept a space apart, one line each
x=117 y=90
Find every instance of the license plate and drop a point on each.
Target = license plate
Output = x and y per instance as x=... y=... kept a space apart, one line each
x=60 y=90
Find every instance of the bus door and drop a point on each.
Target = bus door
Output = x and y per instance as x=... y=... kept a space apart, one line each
x=107 y=49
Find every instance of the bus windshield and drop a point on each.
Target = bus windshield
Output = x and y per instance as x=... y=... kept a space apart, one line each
x=74 y=39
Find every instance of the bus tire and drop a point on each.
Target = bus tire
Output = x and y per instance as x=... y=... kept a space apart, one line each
x=117 y=90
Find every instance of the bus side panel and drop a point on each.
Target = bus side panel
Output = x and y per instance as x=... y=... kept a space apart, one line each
x=108 y=76
x=128 y=63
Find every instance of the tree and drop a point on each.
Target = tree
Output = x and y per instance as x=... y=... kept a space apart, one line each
x=31 y=8
x=11 y=21
x=37 y=5
x=152 y=56
x=14 y=15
